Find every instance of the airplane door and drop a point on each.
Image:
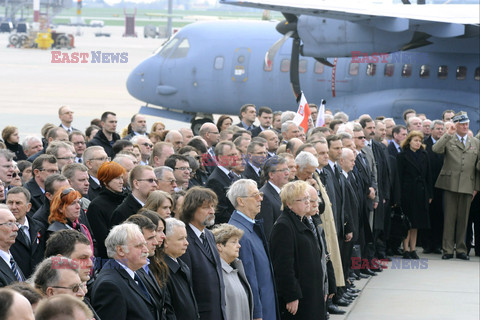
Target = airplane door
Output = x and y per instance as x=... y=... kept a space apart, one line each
x=240 y=63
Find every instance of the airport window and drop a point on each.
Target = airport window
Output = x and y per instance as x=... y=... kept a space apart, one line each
x=477 y=74
x=302 y=66
x=318 y=69
x=285 y=65
x=389 y=69
x=218 y=64
x=461 y=72
x=406 y=70
x=353 y=70
x=371 y=69
x=424 y=71
x=168 y=47
x=442 y=72
x=182 y=50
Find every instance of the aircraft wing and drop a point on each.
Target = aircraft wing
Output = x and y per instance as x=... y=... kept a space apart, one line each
x=362 y=11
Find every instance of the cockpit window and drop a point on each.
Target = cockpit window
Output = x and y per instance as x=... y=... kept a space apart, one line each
x=168 y=47
x=182 y=50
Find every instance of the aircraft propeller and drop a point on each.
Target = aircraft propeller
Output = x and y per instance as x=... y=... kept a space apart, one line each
x=288 y=28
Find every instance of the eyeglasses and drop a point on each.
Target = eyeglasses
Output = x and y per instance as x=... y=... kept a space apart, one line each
x=146 y=144
x=11 y=224
x=102 y=159
x=184 y=169
x=79 y=143
x=255 y=195
x=306 y=200
x=212 y=132
x=74 y=288
x=360 y=138
x=150 y=180
x=66 y=158
x=282 y=170
x=170 y=181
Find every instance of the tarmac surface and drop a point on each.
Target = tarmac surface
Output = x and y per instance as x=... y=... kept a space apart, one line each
x=32 y=88
x=430 y=288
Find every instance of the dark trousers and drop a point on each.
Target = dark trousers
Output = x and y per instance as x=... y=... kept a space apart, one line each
x=432 y=238
x=474 y=219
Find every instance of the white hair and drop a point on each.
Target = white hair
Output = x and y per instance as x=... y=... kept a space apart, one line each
x=239 y=189
x=119 y=236
x=305 y=159
x=287 y=116
x=287 y=124
x=28 y=140
x=170 y=224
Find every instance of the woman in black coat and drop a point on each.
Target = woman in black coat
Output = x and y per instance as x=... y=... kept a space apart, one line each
x=296 y=258
x=416 y=193
x=100 y=210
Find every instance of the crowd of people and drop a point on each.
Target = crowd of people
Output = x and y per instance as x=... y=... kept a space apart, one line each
x=237 y=222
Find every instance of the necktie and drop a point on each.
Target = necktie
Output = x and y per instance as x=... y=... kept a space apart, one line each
x=323 y=177
x=232 y=177
x=337 y=172
x=142 y=286
x=14 y=268
x=312 y=227
x=462 y=141
x=23 y=234
x=79 y=160
x=206 y=246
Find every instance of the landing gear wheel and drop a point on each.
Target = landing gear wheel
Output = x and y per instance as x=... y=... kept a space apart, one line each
x=197 y=124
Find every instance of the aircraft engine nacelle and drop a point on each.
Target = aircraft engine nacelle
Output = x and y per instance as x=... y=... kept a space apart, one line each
x=323 y=37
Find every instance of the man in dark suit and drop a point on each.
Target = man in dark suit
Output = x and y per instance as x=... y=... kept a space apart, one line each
x=275 y=172
x=29 y=246
x=256 y=156
x=248 y=113
x=52 y=184
x=265 y=116
x=399 y=134
x=432 y=240
x=118 y=292
x=179 y=285
x=138 y=124
x=93 y=158
x=142 y=181
x=221 y=179
x=254 y=248
x=148 y=229
x=44 y=166
x=272 y=141
x=9 y=270
x=107 y=136
x=65 y=114
x=202 y=256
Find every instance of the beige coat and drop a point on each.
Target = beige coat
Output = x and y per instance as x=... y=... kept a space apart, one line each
x=328 y=224
x=459 y=172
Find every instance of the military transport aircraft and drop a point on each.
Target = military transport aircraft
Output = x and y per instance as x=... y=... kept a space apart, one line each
x=359 y=61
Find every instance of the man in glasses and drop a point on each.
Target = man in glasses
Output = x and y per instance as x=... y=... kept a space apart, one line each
x=247 y=200
x=79 y=143
x=30 y=242
x=43 y=167
x=65 y=114
x=59 y=275
x=93 y=158
x=166 y=179
x=9 y=270
x=181 y=170
x=142 y=181
x=118 y=292
x=275 y=173
x=146 y=147
x=63 y=152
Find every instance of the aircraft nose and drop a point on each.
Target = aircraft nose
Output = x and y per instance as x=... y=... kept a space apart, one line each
x=143 y=79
